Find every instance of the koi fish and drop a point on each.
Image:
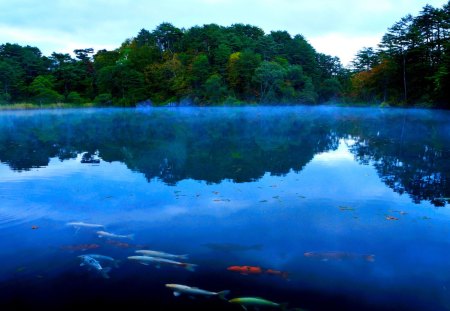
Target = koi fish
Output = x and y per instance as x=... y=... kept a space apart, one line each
x=160 y=254
x=92 y=263
x=391 y=218
x=145 y=260
x=245 y=270
x=119 y=244
x=325 y=256
x=103 y=258
x=231 y=247
x=184 y=289
x=83 y=224
x=124 y=244
x=79 y=247
x=283 y=274
x=257 y=302
x=112 y=235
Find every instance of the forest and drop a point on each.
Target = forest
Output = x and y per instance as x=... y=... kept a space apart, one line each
x=239 y=64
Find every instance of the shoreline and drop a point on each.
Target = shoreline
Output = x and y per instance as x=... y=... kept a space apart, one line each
x=31 y=106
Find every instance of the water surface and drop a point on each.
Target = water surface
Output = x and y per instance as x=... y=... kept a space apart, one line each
x=348 y=205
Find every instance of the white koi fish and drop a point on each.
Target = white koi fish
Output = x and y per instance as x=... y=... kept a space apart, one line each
x=146 y=260
x=160 y=254
x=92 y=263
x=184 y=289
x=79 y=224
x=112 y=235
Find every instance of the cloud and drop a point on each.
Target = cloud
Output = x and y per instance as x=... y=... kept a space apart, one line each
x=59 y=25
x=49 y=41
x=344 y=46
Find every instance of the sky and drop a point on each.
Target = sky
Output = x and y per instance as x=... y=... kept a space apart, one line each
x=337 y=28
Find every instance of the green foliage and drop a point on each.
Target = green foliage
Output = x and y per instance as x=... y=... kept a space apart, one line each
x=212 y=64
x=4 y=98
x=308 y=94
x=200 y=70
x=330 y=89
x=411 y=66
x=74 y=98
x=207 y=64
x=42 y=90
x=241 y=69
x=103 y=99
x=269 y=76
x=214 y=90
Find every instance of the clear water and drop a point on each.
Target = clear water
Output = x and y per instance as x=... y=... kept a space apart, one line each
x=352 y=204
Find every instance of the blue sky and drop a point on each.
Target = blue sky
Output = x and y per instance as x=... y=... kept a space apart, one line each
x=338 y=28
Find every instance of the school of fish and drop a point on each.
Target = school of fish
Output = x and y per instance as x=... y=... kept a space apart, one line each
x=103 y=264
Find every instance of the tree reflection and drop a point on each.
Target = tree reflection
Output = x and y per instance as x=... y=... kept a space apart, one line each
x=409 y=149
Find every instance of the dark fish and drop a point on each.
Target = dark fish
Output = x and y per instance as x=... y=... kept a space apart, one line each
x=391 y=218
x=124 y=244
x=325 y=256
x=231 y=247
x=79 y=247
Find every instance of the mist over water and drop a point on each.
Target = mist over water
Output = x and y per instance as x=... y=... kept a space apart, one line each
x=351 y=203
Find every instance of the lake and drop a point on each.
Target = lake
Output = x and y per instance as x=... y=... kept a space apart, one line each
x=319 y=208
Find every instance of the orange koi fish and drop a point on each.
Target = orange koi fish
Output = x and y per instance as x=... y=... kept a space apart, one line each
x=118 y=244
x=283 y=274
x=245 y=270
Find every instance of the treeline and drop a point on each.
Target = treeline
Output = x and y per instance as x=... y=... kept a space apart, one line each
x=206 y=65
x=411 y=64
x=212 y=64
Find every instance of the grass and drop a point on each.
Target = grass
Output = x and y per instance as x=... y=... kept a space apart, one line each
x=30 y=106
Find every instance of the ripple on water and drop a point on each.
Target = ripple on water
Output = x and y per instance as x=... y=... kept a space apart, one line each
x=13 y=213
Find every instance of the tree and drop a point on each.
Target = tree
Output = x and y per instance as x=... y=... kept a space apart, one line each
x=365 y=59
x=396 y=42
x=125 y=84
x=167 y=37
x=214 y=90
x=269 y=76
x=330 y=89
x=42 y=90
x=200 y=70
x=241 y=68
x=145 y=38
x=9 y=79
x=66 y=72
